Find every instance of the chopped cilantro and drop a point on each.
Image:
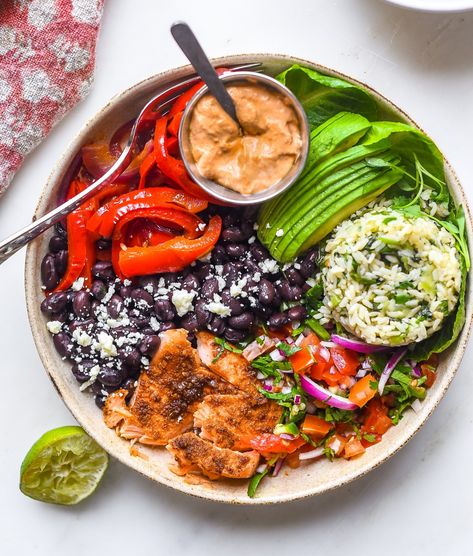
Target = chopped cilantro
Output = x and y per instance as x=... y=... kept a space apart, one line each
x=224 y=345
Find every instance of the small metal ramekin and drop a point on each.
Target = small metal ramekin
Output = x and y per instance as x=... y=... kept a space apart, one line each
x=225 y=194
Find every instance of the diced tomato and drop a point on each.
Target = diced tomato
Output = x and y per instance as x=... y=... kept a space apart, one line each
x=353 y=448
x=268 y=443
x=302 y=360
x=362 y=392
x=371 y=440
x=429 y=373
x=346 y=361
x=337 y=444
x=315 y=427
x=376 y=420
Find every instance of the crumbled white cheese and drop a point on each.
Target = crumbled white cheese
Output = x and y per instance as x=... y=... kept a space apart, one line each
x=105 y=345
x=236 y=289
x=269 y=265
x=221 y=283
x=54 y=326
x=206 y=258
x=255 y=226
x=154 y=324
x=218 y=269
x=182 y=300
x=127 y=282
x=81 y=337
x=93 y=373
x=280 y=232
x=149 y=288
x=78 y=284
x=297 y=266
x=256 y=276
x=218 y=308
x=108 y=296
x=268 y=226
x=145 y=361
x=251 y=240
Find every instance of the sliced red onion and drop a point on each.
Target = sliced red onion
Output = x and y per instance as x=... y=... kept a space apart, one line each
x=277 y=355
x=390 y=366
x=315 y=453
x=324 y=353
x=278 y=466
x=261 y=467
x=297 y=399
x=416 y=370
x=322 y=394
x=286 y=390
x=268 y=386
x=328 y=344
x=364 y=368
x=286 y=436
x=261 y=345
x=289 y=340
x=356 y=345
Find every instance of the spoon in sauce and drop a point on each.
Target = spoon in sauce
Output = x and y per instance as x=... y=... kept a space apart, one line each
x=189 y=44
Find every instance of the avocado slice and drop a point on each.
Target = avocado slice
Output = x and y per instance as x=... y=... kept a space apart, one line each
x=333 y=211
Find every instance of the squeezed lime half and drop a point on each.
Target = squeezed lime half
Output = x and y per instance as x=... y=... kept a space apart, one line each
x=63 y=467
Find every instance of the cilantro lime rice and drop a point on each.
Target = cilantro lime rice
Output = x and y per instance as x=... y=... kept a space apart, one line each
x=390 y=279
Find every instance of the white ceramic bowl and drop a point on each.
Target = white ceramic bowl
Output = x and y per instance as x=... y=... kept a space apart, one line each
x=441 y=6
x=309 y=479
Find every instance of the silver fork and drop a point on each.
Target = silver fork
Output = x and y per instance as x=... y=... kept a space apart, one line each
x=160 y=103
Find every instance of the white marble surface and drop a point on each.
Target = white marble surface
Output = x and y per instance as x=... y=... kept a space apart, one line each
x=417 y=503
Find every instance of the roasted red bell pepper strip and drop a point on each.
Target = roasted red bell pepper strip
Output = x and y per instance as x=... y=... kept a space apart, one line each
x=174 y=123
x=181 y=102
x=104 y=220
x=170 y=166
x=146 y=166
x=170 y=256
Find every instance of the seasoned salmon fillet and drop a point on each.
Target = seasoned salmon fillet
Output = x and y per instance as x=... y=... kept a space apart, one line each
x=232 y=420
x=232 y=367
x=167 y=394
x=193 y=454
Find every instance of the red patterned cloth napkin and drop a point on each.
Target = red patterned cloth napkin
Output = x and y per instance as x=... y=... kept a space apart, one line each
x=47 y=58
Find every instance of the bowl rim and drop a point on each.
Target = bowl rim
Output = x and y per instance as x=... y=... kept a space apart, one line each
x=223 y=193
x=112 y=447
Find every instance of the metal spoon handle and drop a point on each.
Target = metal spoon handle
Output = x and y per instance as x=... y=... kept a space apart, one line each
x=189 y=44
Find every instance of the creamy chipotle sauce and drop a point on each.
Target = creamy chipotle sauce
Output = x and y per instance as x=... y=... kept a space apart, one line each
x=259 y=157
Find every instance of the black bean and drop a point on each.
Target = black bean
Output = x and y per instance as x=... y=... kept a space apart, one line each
x=252 y=267
x=230 y=273
x=60 y=262
x=121 y=331
x=229 y=219
x=164 y=309
x=233 y=335
x=149 y=283
x=288 y=292
x=203 y=315
x=277 y=321
x=258 y=252
x=235 y=306
x=277 y=300
x=308 y=264
x=148 y=331
x=139 y=322
x=103 y=244
x=219 y=255
x=115 y=306
x=262 y=311
x=99 y=401
x=168 y=325
x=217 y=325
x=57 y=243
x=125 y=292
x=232 y=234
x=149 y=345
x=131 y=358
x=305 y=288
x=81 y=304
x=98 y=289
x=103 y=270
x=247 y=229
x=294 y=277
x=189 y=322
x=49 y=275
x=190 y=282
x=129 y=385
x=54 y=303
x=98 y=388
x=84 y=325
x=242 y=322
x=209 y=288
x=110 y=376
x=62 y=343
x=297 y=313
x=266 y=292
x=203 y=272
x=81 y=371
x=169 y=278
x=143 y=300
x=235 y=250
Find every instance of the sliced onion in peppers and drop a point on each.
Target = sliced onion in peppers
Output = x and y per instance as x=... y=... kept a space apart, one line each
x=356 y=345
x=322 y=394
x=390 y=366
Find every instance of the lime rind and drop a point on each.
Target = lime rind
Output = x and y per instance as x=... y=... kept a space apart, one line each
x=63 y=467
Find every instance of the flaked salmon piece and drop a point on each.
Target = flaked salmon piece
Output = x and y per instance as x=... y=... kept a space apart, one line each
x=232 y=367
x=166 y=395
x=231 y=421
x=193 y=454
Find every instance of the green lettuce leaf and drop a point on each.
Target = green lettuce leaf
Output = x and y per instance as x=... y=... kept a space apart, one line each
x=323 y=96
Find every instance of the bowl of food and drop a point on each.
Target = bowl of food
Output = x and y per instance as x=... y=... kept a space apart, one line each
x=261 y=353
x=257 y=162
